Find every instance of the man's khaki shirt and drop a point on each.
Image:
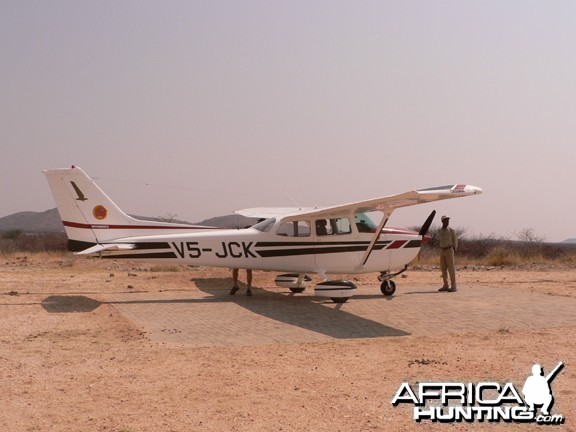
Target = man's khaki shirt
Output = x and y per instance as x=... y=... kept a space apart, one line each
x=447 y=238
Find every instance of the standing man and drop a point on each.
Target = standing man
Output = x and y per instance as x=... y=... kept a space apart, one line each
x=448 y=245
x=235 y=287
x=235 y=272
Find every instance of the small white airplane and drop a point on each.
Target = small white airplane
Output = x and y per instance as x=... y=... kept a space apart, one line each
x=331 y=240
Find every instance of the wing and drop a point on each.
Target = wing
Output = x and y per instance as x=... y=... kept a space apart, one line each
x=270 y=212
x=386 y=204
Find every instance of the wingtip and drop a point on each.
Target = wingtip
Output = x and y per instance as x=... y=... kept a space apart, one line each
x=476 y=190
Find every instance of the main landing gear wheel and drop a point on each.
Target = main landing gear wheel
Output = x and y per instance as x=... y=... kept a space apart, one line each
x=388 y=287
x=297 y=290
x=339 y=299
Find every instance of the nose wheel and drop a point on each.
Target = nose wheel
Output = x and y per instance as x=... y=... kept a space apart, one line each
x=388 y=287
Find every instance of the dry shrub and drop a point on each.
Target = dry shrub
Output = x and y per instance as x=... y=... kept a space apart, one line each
x=17 y=241
x=568 y=259
x=493 y=251
x=502 y=256
x=166 y=268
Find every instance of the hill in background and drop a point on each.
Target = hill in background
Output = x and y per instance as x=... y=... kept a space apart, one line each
x=49 y=221
x=28 y=221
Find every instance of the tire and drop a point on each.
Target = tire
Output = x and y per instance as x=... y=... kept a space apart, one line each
x=297 y=290
x=388 y=287
x=339 y=299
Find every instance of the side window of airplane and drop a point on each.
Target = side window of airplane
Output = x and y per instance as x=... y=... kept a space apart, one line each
x=341 y=226
x=323 y=227
x=336 y=226
x=294 y=229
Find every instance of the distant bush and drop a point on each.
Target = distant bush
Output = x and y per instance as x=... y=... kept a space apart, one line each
x=490 y=250
x=18 y=241
x=502 y=255
x=12 y=235
x=165 y=268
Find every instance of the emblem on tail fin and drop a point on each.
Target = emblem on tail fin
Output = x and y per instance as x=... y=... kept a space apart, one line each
x=80 y=194
x=100 y=212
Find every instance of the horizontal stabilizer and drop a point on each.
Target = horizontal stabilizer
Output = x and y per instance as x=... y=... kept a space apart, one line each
x=106 y=247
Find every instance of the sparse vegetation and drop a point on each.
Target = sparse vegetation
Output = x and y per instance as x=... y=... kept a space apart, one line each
x=165 y=268
x=525 y=248
x=12 y=235
x=18 y=241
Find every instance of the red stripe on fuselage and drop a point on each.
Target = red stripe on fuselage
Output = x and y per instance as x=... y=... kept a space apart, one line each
x=396 y=244
x=151 y=227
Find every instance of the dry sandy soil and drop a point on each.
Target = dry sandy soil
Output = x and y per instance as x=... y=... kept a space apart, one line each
x=94 y=370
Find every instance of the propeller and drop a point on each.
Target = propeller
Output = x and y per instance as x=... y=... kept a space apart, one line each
x=427 y=223
x=424 y=230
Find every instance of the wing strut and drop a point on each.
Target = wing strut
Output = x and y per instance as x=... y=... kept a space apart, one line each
x=385 y=218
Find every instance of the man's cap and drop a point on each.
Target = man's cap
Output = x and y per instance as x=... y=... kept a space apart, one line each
x=445 y=217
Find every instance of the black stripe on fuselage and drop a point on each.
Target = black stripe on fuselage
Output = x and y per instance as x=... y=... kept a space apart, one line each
x=151 y=245
x=309 y=251
x=323 y=243
x=322 y=248
x=315 y=248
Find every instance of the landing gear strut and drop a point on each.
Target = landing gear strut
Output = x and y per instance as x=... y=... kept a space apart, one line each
x=388 y=286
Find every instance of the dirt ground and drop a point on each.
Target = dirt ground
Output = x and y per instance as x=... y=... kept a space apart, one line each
x=91 y=369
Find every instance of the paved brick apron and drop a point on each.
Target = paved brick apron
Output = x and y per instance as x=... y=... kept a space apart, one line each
x=214 y=318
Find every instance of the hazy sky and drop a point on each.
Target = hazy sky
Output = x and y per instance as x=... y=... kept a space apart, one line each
x=199 y=108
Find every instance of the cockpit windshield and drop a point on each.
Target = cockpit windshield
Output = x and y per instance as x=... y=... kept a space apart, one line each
x=364 y=223
x=265 y=225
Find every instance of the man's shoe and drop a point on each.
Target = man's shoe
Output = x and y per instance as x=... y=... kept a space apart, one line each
x=444 y=289
x=249 y=293
x=234 y=290
x=453 y=289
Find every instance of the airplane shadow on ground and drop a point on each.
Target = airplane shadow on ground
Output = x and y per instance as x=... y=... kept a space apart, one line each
x=69 y=304
x=307 y=312
x=311 y=313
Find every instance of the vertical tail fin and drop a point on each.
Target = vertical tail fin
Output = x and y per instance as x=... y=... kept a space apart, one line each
x=91 y=217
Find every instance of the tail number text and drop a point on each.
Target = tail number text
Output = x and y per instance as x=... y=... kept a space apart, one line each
x=225 y=250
